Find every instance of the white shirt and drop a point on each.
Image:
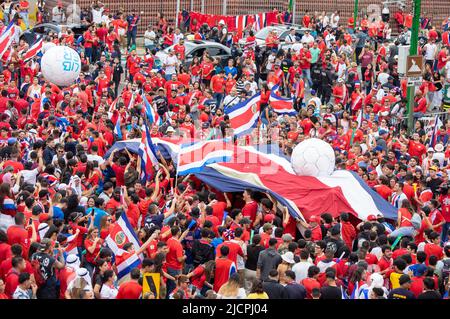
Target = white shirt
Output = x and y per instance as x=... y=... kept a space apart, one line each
x=177 y=38
x=447 y=70
x=325 y=21
x=108 y=292
x=296 y=47
x=240 y=262
x=229 y=101
x=383 y=78
x=97 y=158
x=307 y=38
x=334 y=21
x=149 y=37
x=171 y=60
x=329 y=38
x=58 y=15
x=430 y=51
x=97 y=15
x=29 y=176
x=301 y=270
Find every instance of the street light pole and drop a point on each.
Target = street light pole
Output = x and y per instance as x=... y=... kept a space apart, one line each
x=355 y=14
x=413 y=51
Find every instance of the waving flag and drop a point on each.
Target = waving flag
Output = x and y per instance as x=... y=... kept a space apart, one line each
x=117 y=129
x=147 y=152
x=437 y=126
x=265 y=168
x=121 y=233
x=43 y=100
x=192 y=158
x=280 y=104
x=244 y=116
x=33 y=50
x=71 y=245
x=355 y=292
x=152 y=116
x=7 y=38
x=62 y=123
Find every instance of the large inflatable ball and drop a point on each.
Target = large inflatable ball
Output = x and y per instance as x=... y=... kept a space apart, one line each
x=61 y=65
x=313 y=157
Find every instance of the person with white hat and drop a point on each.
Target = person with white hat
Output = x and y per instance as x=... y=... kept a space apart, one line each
x=439 y=154
x=81 y=282
x=287 y=261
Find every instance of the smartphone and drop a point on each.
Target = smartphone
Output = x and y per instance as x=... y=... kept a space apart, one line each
x=30 y=222
x=56 y=244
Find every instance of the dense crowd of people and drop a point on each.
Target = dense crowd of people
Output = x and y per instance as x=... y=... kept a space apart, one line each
x=60 y=195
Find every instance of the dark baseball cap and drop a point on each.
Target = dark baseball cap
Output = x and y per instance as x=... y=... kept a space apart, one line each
x=404 y=279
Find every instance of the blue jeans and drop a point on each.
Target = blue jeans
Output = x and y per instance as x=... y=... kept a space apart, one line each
x=88 y=53
x=403 y=231
x=168 y=77
x=150 y=47
x=171 y=285
x=218 y=97
x=306 y=73
x=418 y=115
x=444 y=233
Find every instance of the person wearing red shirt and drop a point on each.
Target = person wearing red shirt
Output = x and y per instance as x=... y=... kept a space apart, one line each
x=93 y=244
x=421 y=105
x=224 y=268
x=180 y=50
x=433 y=248
x=354 y=135
x=385 y=261
x=347 y=230
x=88 y=42
x=218 y=86
x=251 y=207
x=12 y=277
x=416 y=148
x=234 y=250
x=311 y=281
x=175 y=256
x=131 y=289
x=207 y=70
x=18 y=234
x=316 y=230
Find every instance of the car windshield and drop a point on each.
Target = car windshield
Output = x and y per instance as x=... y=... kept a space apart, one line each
x=189 y=46
x=264 y=33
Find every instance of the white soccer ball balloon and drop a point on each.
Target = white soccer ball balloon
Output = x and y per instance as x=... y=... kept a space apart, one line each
x=61 y=65
x=313 y=157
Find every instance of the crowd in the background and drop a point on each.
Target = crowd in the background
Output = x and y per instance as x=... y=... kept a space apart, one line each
x=60 y=195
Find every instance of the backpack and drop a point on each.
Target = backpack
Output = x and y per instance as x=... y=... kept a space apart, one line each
x=39 y=278
x=416 y=221
x=445 y=271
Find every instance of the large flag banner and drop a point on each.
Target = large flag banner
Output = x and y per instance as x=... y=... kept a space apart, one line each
x=280 y=104
x=244 y=116
x=195 y=156
x=6 y=38
x=147 y=152
x=152 y=115
x=121 y=233
x=33 y=50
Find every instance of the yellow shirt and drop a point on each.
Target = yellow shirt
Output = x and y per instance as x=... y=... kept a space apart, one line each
x=258 y=296
x=395 y=277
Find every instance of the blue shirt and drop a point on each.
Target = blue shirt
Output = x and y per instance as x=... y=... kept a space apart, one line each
x=230 y=70
x=57 y=213
x=98 y=214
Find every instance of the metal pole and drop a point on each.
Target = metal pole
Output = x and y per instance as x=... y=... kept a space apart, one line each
x=192 y=5
x=203 y=7
x=355 y=14
x=176 y=14
x=224 y=8
x=413 y=51
x=293 y=11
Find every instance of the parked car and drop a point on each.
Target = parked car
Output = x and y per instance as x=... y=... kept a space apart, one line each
x=32 y=34
x=282 y=31
x=197 y=48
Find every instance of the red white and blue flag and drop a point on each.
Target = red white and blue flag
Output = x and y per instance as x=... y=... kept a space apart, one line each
x=121 y=233
x=71 y=245
x=147 y=152
x=7 y=37
x=193 y=157
x=33 y=50
x=152 y=115
x=280 y=104
x=244 y=116
x=265 y=168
